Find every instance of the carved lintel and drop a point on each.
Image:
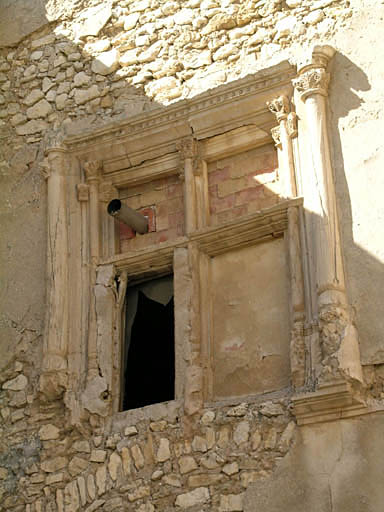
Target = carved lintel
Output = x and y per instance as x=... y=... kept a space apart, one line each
x=313 y=81
x=276 y=135
x=279 y=107
x=292 y=125
x=107 y=192
x=82 y=192
x=92 y=169
x=187 y=147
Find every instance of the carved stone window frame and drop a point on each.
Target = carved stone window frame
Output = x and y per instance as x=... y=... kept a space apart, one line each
x=87 y=280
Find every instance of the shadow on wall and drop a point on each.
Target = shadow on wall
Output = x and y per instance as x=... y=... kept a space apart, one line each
x=359 y=189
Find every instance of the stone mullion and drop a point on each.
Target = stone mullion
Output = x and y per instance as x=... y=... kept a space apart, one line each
x=298 y=350
x=283 y=138
x=202 y=197
x=338 y=337
x=187 y=149
x=92 y=171
x=54 y=372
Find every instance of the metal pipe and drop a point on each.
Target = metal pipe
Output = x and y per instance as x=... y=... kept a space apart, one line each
x=132 y=218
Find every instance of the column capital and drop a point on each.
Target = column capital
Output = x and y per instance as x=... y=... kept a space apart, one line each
x=279 y=107
x=92 y=169
x=187 y=147
x=313 y=77
x=312 y=81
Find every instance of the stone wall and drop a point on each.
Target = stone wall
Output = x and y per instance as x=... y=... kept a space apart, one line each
x=64 y=69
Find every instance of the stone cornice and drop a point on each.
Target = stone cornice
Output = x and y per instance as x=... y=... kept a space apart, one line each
x=193 y=113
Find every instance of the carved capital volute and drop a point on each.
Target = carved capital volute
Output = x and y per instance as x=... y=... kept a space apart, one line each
x=279 y=107
x=187 y=148
x=107 y=192
x=45 y=168
x=275 y=132
x=312 y=72
x=313 y=81
x=92 y=170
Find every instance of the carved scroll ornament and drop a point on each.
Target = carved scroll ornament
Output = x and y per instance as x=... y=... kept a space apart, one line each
x=313 y=81
x=279 y=107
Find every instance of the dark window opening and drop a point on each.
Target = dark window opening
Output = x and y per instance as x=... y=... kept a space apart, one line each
x=149 y=351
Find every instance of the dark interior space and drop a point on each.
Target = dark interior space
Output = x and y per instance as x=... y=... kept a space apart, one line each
x=150 y=360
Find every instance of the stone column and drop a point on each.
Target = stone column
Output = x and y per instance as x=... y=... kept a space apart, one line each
x=187 y=149
x=92 y=170
x=53 y=380
x=283 y=134
x=338 y=336
x=283 y=137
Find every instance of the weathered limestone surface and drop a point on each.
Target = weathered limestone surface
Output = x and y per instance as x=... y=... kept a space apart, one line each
x=338 y=479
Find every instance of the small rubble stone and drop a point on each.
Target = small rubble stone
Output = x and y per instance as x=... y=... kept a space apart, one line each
x=163 y=453
x=198 y=496
x=82 y=490
x=77 y=465
x=156 y=475
x=130 y=431
x=241 y=432
x=137 y=455
x=106 y=62
x=101 y=480
x=52 y=465
x=270 y=439
x=141 y=492
x=84 y=95
x=98 y=455
x=131 y=20
x=231 y=469
x=314 y=17
x=172 y=479
x=207 y=418
x=255 y=440
x=17 y=384
x=93 y=20
x=187 y=464
x=41 y=109
x=33 y=97
x=114 y=465
x=270 y=409
x=81 y=446
x=91 y=488
x=199 y=444
x=231 y=503
x=81 y=79
x=206 y=479
x=238 y=411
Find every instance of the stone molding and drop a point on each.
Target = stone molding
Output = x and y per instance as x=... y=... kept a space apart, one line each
x=186 y=111
x=224 y=122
